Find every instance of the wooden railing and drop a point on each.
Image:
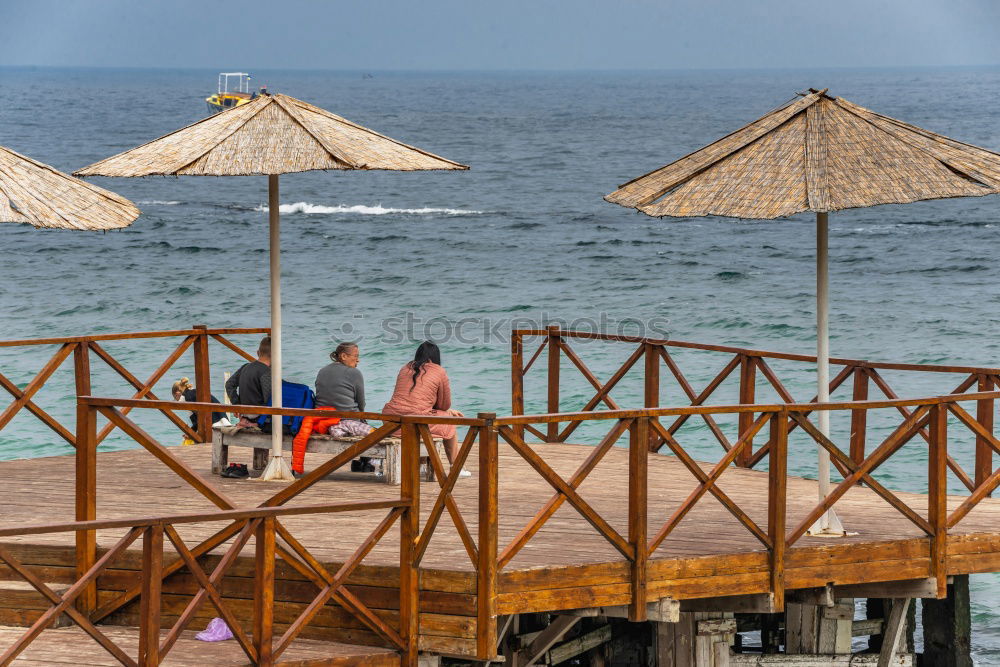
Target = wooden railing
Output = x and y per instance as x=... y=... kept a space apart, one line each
x=752 y=366
x=648 y=428
x=84 y=349
x=262 y=522
x=927 y=416
x=646 y=533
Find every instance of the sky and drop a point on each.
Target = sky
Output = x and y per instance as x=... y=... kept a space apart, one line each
x=506 y=35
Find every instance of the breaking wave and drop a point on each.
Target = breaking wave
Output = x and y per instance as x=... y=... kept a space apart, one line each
x=158 y=202
x=361 y=209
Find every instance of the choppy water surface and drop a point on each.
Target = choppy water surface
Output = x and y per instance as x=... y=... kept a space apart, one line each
x=524 y=234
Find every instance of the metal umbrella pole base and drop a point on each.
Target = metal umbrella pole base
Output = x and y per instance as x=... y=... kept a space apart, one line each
x=827 y=525
x=277 y=470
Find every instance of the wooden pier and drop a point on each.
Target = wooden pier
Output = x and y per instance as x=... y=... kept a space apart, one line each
x=548 y=549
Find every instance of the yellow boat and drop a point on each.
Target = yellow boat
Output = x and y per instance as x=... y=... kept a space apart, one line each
x=228 y=99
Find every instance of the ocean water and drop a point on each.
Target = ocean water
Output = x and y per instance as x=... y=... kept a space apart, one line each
x=523 y=237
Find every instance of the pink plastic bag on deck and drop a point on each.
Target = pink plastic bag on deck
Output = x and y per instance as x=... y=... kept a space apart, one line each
x=215 y=631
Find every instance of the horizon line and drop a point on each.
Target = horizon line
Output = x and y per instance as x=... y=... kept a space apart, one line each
x=499 y=70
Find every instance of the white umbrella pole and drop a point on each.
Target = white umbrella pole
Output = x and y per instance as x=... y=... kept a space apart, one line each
x=828 y=524
x=277 y=468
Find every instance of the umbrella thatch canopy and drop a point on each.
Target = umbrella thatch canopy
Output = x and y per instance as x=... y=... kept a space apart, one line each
x=816 y=153
x=272 y=135
x=39 y=195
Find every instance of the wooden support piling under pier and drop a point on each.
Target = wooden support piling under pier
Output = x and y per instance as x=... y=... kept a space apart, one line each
x=947 y=627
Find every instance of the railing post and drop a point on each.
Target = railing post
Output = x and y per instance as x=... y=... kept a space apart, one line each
x=86 y=480
x=81 y=368
x=748 y=382
x=203 y=382
x=517 y=379
x=984 y=415
x=409 y=592
x=638 y=458
x=149 y=603
x=859 y=418
x=651 y=381
x=486 y=582
x=777 y=480
x=937 y=498
x=553 y=380
x=263 y=598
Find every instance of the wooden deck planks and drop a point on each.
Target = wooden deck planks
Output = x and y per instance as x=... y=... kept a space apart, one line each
x=566 y=565
x=71 y=646
x=133 y=484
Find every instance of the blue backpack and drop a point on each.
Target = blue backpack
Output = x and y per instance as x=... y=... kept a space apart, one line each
x=293 y=395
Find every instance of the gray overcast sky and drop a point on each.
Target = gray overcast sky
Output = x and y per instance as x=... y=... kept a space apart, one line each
x=509 y=34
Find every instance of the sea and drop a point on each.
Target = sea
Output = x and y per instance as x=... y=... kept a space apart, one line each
x=523 y=239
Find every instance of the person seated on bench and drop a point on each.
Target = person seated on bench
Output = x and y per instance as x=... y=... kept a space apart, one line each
x=251 y=384
x=183 y=390
x=341 y=386
x=422 y=388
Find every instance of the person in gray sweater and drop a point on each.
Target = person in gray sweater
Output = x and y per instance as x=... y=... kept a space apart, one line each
x=341 y=385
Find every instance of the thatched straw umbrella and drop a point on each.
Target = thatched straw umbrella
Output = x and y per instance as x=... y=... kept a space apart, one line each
x=39 y=195
x=817 y=153
x=272 y=135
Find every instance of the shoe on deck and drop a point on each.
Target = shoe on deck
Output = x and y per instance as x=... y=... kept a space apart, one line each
x=236 y=471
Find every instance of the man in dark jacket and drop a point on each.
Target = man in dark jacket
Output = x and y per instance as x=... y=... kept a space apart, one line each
x=251 y=384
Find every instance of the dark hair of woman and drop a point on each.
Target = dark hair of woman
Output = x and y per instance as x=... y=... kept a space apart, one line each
x=427 y=351
x=342 y=348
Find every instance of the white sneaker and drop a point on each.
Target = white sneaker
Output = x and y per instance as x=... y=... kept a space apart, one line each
x=464 y=473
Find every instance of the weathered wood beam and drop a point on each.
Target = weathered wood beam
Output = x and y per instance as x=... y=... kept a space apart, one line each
x=910 y=588
x=697 y=639
x=674 y=642
x=716 y=626
x=807 y=660
x=761 y=603
x=892 y=635
x=821 y=597
x=867 y=627
x=581 y=644
x=545 y=639
x=818 y=629
x=508 y=631
x=843 y=611
x=665 y=610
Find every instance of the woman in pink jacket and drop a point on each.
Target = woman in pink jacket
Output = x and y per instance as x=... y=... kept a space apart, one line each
x=422 y=388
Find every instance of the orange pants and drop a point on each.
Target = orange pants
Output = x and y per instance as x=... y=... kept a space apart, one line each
x=309 y=424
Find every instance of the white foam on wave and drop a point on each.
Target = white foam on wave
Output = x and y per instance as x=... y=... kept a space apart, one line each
x=361 y=209
x=159 y=202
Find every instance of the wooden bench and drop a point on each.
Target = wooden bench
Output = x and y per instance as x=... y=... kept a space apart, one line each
x=386 y=450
